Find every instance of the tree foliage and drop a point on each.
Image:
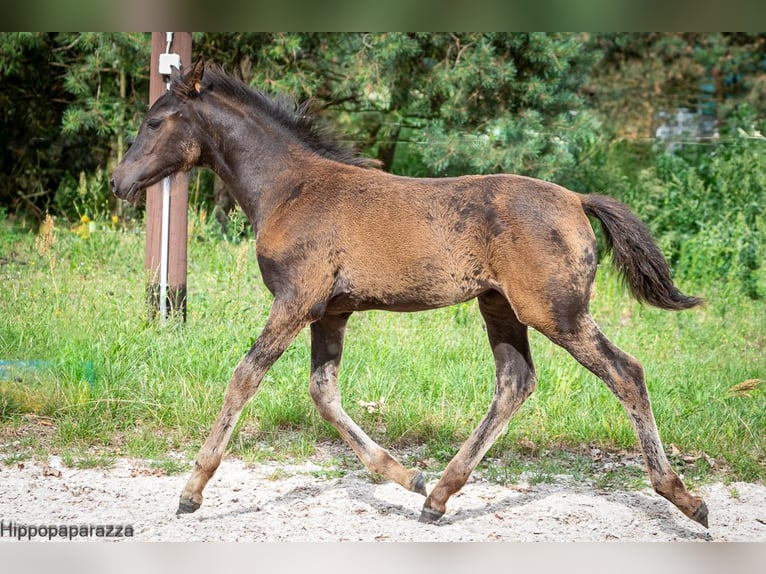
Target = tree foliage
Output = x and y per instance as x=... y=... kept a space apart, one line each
x=64 y=108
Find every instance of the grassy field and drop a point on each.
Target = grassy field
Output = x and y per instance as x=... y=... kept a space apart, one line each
x=101 y=381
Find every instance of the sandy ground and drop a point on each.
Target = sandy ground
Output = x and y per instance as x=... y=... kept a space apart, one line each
x=279 y=502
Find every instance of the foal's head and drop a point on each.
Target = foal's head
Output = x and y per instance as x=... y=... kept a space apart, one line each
x=167 y=141
x=186 y=125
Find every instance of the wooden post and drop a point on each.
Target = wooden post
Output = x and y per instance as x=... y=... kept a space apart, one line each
x=179 y=201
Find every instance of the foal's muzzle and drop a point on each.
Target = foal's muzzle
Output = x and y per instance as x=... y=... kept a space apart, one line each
x=130 y=193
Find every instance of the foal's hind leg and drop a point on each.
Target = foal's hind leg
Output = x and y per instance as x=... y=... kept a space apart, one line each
x=283 y=325
x=326 y=348
x=625 y=378
x=515 y=381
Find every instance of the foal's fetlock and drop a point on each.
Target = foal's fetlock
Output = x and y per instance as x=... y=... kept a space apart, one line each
x=417 y=482
x=692 y=506
x=186 y=505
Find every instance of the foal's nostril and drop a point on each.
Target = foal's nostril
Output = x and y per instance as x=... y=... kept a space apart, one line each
x=112 y=183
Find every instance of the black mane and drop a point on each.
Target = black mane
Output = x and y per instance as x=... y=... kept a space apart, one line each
x=296 y=117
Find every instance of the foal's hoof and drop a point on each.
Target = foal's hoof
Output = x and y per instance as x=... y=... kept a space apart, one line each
x=700 y=515
x=430 y=515
x=186 y=506
x=418 y=483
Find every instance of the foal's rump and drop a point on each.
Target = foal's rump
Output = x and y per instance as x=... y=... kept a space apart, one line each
x=543 y=251
x=549 y=273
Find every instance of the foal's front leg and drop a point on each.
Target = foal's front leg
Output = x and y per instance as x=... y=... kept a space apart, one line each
x=326 y=348
x=283 y=325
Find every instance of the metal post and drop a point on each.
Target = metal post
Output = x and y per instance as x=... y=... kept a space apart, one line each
x=167 y=274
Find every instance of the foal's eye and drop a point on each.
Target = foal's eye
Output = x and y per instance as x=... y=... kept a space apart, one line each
x=154 y=123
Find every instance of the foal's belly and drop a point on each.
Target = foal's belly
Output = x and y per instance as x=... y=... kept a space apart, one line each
x=406 y=293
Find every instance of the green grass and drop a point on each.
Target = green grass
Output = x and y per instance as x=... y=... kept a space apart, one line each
x=170 y=466
x=116 y=381
x=103 y=461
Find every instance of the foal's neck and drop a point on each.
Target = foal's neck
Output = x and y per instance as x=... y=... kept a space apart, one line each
x=253 y=155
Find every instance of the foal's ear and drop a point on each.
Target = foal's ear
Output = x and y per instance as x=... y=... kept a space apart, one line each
x=194 y=82
x=175 y=76
x=189 y=84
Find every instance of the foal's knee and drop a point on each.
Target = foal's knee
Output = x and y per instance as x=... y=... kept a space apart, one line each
x=243 y=384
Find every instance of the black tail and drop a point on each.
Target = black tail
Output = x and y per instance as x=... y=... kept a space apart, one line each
x=635 y=255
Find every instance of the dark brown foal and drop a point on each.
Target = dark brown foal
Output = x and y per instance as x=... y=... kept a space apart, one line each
x=334 y=237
